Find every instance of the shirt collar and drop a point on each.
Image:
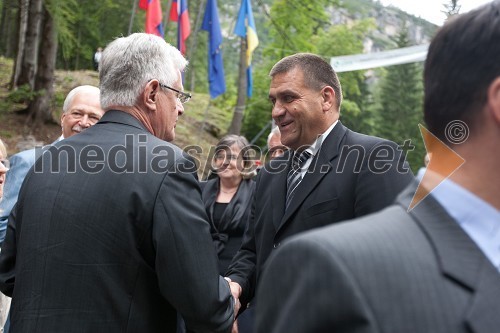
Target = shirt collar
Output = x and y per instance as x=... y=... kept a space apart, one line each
x=314 y=148
x=476 y=217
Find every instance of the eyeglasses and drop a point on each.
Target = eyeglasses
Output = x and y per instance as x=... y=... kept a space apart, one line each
x=5 y=163
x=184 y=97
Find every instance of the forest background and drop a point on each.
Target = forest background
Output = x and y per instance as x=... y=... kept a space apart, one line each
x=47 y=46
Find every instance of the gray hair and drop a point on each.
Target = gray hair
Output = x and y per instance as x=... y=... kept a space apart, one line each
x=274 y=131
x=71 y=95
x=128 y=63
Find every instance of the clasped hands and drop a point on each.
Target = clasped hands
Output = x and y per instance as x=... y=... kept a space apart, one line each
x=236 y=292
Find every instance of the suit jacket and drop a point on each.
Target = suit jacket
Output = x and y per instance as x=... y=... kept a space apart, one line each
x=228 y=233
x=352 y=175
x=392 y=271
x=110 y=235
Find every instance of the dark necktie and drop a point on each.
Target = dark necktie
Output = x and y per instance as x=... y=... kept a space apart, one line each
x=294 y=177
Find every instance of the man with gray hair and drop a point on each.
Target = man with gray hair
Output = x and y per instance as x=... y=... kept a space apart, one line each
x=81 y=109
x=125 y=243
x=274 y=145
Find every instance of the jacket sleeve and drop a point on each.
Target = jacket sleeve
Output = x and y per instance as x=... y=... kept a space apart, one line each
x=243 y=266
x=186 y=262
x=8 y=257
x=20 y=165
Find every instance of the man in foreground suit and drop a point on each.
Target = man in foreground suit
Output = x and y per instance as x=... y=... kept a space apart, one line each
x=343 y=176
x=434 y=268
x=111 y=234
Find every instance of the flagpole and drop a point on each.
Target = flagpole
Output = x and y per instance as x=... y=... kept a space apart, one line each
x=132 y=15
x=166 y=18
x=237 y=120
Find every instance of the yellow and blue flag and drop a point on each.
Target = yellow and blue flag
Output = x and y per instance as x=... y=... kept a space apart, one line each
x=245 y=27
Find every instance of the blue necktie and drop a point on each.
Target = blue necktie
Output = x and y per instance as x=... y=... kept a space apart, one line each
x=294 y=177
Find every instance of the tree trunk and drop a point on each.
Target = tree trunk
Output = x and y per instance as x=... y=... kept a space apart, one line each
x=235 y=127
x=40 y=107
x=23 y=23
x=6 y=22
x=194 y=43
x=11 y=29
x=30 y=54
x=78 y=51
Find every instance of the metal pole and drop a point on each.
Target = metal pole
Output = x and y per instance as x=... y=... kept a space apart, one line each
x=132 y=15
x=261 y=132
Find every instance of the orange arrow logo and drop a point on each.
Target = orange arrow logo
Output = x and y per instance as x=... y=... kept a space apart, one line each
x=443 y=162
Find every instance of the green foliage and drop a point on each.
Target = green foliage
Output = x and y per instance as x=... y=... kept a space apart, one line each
x=23 y=94
x=293 y=23
x=343 y=40
x=401 y=97
x=258 y=110
x=63 y=14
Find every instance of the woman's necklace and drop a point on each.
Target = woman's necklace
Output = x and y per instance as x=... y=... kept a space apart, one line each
x=228 y=192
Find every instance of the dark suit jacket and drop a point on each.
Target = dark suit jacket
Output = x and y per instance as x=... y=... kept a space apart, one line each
x=228 y=233
x=112 y=236
x=352 y=175
x=392 y=271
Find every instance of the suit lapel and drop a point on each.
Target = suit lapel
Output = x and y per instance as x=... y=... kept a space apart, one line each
x=320 y=166
x=483 y=314
x=460 y=260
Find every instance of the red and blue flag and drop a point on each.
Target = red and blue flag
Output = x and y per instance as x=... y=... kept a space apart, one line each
x=154 y=16
x=179 y=13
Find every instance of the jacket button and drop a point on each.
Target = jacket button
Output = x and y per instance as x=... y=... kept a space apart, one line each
x=276 y=245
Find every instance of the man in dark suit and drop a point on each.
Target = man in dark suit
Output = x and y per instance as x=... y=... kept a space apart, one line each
x=344 y=174
x=434 y=268
x=110 y=233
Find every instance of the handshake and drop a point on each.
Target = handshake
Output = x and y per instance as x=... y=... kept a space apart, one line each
x=236 y=292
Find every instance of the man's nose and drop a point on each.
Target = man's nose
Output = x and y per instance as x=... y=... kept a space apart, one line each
x=85 y=121
x=180 y=107
x=278 y=110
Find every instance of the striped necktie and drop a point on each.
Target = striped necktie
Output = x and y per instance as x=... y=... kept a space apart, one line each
x=294 y=175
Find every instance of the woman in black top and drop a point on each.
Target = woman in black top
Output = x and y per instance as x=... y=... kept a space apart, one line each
x=228 y=196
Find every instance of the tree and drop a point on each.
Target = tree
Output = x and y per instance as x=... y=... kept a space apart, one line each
x=344 y=40
x=8 y=26
x=401 y=105
x=40 y=107
x=452 y=8
x=28 y=65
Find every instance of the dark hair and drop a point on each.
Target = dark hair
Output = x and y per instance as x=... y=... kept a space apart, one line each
x=462 y=61
x=317 y=72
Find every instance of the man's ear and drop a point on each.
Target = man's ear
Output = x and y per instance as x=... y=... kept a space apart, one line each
x=150 y=94
x=328 y=95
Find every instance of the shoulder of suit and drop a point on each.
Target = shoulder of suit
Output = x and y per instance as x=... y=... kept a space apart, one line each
x=375 y=228
x=353 y=137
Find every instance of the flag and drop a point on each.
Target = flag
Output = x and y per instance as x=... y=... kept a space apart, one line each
x=153 y=16
x=245 y=27
x=215 y=65
x=179 y=13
